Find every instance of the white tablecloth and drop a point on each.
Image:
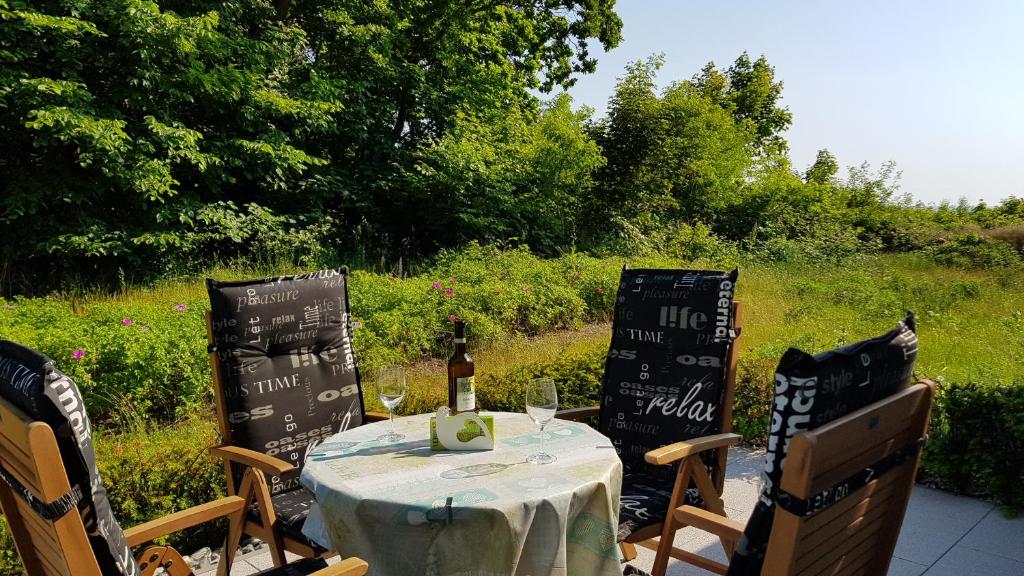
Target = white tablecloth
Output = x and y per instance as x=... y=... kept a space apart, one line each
x=386 y=502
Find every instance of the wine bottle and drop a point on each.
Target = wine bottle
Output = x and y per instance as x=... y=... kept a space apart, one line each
x=461 y=384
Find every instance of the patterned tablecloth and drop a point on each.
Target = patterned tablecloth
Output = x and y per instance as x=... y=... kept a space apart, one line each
x=386 y=502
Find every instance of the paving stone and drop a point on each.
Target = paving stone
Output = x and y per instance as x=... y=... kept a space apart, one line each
x=935 y=521
x=964 y=561
x=901 y=567
x=999 y=535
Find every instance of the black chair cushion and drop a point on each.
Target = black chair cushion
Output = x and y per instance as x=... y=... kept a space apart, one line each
x=30 y=381
x=645 y=500
x=292 y=509
x=665 y=372
x=287 y=369
x=814 y=390
x=298 y=568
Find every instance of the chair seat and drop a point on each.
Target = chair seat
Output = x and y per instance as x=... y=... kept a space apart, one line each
x=298 y=568
x=292 y=509
x=645 y=500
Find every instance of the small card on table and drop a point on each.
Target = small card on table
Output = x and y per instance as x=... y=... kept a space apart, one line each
x=466 y=431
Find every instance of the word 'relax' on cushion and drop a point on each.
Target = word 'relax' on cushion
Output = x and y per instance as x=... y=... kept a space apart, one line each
x=30 y=381
x=286 y=365
x=665 y=371
x=814 y=390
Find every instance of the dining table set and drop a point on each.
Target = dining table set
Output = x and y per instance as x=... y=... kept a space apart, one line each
x=408 y=509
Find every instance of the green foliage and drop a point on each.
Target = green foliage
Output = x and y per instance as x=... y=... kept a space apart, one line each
x=151 y=136
x=577 y=377
x=678 y=155
x=977 y=440
x=976 y=251
x=138 y=360
x=153 y=471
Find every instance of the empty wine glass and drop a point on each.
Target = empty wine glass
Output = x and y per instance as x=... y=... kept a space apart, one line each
x=391 y=388
x=541 y=404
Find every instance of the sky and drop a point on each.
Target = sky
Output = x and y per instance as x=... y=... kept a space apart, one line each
x=936 y=86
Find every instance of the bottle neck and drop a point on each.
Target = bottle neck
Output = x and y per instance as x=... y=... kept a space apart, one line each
x=460 y=338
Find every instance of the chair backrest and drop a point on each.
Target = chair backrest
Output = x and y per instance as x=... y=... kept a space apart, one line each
x=284 y=370
x=858 y=471
x=671 y=365
x=50 y=490
x=814 y=391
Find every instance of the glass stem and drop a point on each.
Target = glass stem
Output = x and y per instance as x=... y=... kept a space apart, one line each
x=391 y=418
x=543 y=437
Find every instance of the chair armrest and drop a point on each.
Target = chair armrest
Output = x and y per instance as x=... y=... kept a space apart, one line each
x=348 y=567
x=258 y=460
x=680 y=450
x=188 y=518
x=578 y=413
x=375 y=416
x=721 y=526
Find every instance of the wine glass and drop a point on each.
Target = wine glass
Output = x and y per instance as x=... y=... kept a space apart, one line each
x=391 y=388
x=541 y=404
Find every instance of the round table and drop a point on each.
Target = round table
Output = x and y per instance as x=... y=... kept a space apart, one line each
x=386 y=503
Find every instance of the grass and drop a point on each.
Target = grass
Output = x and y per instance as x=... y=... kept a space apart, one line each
x=971 y=324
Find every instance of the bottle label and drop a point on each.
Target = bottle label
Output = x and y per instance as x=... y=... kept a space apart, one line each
x=465 y=399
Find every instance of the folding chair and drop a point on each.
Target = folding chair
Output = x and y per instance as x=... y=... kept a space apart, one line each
x=667 y=399
x=842 y=497
x=285 y=378
x=55 y=502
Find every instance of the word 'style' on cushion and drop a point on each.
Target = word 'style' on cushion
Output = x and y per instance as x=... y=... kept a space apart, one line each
x=30 y=381
x=286 y=363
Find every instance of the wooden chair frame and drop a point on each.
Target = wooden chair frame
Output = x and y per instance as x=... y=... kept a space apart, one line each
x=261 y=465
x=28 y=450
x=688 y=454
x=857 y=535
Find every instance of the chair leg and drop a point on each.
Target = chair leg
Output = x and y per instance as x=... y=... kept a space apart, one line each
x=714 y=503
x=628 y=551
x=268 y=518
x=669 y=526
x=236 y=525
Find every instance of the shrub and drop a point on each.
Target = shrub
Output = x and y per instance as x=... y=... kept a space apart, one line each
x=578 y=378
x=150 y=472
x=975 y=251
x=977 y=440
x=1012 y=235
x=135 y=359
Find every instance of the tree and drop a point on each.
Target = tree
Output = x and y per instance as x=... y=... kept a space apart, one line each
x=129 y=128
x=680 y=155
x=150 y=134
x=824 y=169
x=749 y=92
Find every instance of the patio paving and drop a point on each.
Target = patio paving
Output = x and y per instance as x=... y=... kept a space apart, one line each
x=942 y=534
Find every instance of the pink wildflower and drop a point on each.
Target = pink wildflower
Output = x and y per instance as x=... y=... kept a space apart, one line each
x=78 y=354
x=181 y=307
x=599 y=290
x=127 y=322
x=449 y=292
x=436 y=285
x=453 y=318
